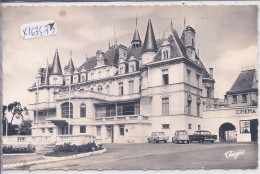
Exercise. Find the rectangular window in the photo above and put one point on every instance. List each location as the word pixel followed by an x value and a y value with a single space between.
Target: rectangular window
pixel 110 110
pixel 198 80
pixel 244 98
pixel 100 111
pixel 82 129
pixel 131 87
pixel 121 88
pixel 189 107
pixel 188 75
pixel 51 130
pixel 165 76
pixel 208 93
pixel 98 130
pixel 234 98
pixel 199 127
pixel 189 126
pixel 71 129
pixel 165 106
pixel 122 130
pixel 198 109
pixel 137 108
pixel 43 130
pixel 165 126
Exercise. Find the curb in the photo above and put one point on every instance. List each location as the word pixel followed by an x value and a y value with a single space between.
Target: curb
pixel 52 159
pixel 10 154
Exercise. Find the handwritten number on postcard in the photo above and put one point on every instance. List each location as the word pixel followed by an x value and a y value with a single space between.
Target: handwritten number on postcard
pixel 39 29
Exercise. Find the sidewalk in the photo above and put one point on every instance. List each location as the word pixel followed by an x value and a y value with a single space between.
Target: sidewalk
pixel 11 159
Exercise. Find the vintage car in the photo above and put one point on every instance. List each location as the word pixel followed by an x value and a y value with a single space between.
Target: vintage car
pixel 202 136
pixel 156 137
pixel 180 136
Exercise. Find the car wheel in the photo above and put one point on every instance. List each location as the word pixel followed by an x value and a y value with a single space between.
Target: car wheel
pixel 212 141
pixel 188 142
pixel 172 140
pixel 157 141
pixel 154 141
pixel 165 141
pixel 177 142
pixel 201 141
pixel 149 141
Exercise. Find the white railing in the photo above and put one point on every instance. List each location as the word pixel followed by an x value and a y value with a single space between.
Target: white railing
pixel 123 118
pixel 41 139
pixel 75 139
pixel 17 139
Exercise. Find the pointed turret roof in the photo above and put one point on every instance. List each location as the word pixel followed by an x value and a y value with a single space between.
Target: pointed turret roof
pixel 136 36
pixel 149 42
pixel 71 66
pixel 56 67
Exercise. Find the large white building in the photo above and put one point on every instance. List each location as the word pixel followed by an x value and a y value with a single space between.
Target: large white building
pixel 125 93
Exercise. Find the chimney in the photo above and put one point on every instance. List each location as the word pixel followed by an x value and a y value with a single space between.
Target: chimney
pixel 211 72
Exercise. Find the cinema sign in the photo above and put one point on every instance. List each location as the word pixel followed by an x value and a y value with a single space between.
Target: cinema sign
pixel 245 111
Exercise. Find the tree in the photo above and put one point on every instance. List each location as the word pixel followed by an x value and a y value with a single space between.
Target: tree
pixel 16 109
pixel 12 129
pixel 25 127
pixel 4 120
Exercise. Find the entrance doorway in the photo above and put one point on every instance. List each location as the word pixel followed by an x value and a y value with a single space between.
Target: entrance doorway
pixel 253 129
pixel 227 132
pixel 110 132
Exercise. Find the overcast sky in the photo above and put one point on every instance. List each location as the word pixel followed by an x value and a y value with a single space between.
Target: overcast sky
pixel 226 37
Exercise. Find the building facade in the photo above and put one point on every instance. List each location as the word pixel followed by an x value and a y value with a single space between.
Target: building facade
pixel 236 118
pixel 125 93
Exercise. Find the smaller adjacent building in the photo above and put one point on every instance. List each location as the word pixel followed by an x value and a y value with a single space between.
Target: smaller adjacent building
pixel 235 118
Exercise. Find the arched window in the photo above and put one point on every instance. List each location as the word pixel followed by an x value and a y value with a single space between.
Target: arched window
pixel 99 88
pixel 165 54
pixel 67 110
pixel 83 78
pixel 121 70
pixel 82 110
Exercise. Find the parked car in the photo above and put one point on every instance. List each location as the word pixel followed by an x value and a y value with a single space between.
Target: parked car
pixel 156 137
pixel 202 136
pixel 181 136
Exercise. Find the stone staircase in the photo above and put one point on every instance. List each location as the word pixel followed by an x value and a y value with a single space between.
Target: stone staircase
pixel 48 148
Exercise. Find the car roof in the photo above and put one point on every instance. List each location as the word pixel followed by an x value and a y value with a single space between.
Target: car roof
pixel 181 131
pixel 202 131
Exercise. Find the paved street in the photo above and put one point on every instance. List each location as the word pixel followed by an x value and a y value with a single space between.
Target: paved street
pixel 163 156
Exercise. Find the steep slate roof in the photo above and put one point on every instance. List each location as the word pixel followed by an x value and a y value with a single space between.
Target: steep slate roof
pixel 149 41
pixel 71 65
pixel 56 67
pixel 111 58
pixel 134 52
pixel 246 82
pixel 136 36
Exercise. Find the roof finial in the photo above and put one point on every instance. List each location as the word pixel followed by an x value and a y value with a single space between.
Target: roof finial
pixel 198 52
pixel 136 19
pixel 109 44
pixel 184 22
pixel 171 25
pixel 114 32
pixel 71 54
pixel 163 34
pixel 116 41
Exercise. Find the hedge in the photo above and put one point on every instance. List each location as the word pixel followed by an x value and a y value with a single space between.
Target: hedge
pixel 11 149
pixel 67 147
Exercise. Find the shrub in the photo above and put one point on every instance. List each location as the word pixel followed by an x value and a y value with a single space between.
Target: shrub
pixel 11 149
pixel 67 147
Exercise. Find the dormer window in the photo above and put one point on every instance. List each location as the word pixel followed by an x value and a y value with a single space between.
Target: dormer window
pixel 83 78
pixel 165 54
pixel 99 88
pixel 121 70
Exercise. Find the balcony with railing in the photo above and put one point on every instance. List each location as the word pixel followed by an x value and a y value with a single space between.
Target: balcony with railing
pixel 122 119
pixel 96 95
